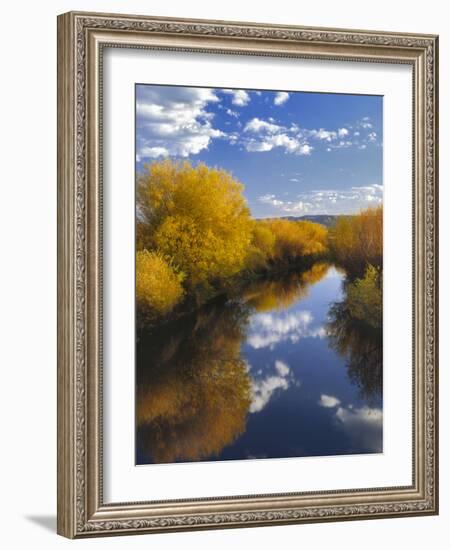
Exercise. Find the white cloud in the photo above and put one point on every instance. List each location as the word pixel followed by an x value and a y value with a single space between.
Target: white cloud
pixel 364 415
pixel 264 389
pixel 364 426
pixel 232 137
pixel 257 125
pixel 258 146
pixel 305 149
pixel 365 123
pixel 288 207
pixel 268 329
pixel 282 140
pixel 232 113
pixel 299 207
pixel 153 152
pixel 328 201
pixel 335 139
pixel 322 134
pixel 363 134
pixel 296 140
pixel 282 368
pixel 240 98
pixel 174 121
pixel 329 401
pixel 289 144
pixel 271 135
pixel 270 199
pixel 280 98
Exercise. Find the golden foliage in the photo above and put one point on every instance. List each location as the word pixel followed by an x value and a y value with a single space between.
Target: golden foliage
pixel 158 287
pixel 314 274
pixel 194 393
pixel 282 291
pixel 358 240
pixel 196 216
pixel 194 417
pixel 261 247
pixel 297 239
pixel 197 220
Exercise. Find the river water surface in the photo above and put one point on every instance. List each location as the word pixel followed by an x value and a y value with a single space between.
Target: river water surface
pixel 280 370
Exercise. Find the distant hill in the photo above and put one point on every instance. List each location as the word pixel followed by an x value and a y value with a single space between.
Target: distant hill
pixel 324 219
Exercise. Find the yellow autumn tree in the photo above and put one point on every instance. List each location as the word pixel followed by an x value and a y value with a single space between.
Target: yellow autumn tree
pixel 196 216
pixel 158 287
pixel 357 241
pixel 294 240
pixel 261 247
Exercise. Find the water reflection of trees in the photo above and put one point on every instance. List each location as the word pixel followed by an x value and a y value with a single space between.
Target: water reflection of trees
pixel 360 341
pixel 193 389
pixel 282 291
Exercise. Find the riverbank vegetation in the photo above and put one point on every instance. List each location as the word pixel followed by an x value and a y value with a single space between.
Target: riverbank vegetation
pixel 357 241
pixel 195 232
pixel 355 332
pixel 194 385
pixel 195 239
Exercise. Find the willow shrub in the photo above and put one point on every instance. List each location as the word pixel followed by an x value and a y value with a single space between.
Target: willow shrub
pixel 195 215
pixel 158 286
pixel 261 248
pixel 364 298
pixel 296 240
pixel 357 241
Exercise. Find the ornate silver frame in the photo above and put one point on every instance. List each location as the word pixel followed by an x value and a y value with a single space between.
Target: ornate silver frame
pixel 81 39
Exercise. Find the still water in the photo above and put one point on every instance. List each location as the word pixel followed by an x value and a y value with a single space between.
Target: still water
pixel 279 370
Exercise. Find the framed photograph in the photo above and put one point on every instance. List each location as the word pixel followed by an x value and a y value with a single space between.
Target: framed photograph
pixel 247 276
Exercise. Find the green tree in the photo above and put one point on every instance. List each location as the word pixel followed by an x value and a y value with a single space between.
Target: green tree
pixel 355 332
pixel 365 298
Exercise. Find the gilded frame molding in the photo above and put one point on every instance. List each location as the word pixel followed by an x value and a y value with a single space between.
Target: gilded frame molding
pixel 81 37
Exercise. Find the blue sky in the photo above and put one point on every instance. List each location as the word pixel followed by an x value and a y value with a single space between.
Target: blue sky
pixel 297 153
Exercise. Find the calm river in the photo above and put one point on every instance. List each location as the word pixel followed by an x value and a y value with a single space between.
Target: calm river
pixel 281 370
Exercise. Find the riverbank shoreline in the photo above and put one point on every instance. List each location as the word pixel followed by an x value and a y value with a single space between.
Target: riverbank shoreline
pixel 233 287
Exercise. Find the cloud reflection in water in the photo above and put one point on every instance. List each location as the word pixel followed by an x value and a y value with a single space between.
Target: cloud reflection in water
pixel 263 389
pixel 267 329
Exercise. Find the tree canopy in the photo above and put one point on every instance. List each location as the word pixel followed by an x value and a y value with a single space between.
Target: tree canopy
pixel 357 241
pixel 196 216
